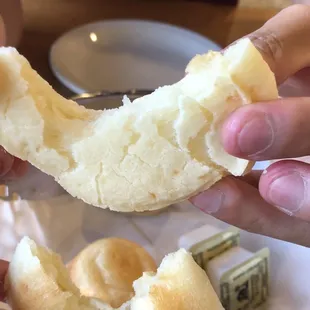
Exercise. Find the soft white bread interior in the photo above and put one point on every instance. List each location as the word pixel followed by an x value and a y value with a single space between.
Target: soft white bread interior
pixel 38 280
pixel 107 268
pixel 147 154
pixel 179 284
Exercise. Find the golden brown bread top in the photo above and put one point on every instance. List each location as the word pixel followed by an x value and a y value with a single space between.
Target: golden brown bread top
pixel 38 280
pixel 107 268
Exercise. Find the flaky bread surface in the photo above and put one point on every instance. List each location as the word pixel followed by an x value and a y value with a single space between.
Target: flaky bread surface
pixel 38 280
pixel 150 153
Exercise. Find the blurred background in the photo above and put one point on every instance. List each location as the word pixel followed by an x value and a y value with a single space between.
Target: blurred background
pixel 221 21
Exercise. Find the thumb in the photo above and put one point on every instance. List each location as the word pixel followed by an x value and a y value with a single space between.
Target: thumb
pixel 286 185
pixel 284 41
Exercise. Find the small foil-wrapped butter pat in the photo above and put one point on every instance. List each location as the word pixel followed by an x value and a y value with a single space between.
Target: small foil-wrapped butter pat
pixel 240 278
pixel 206 242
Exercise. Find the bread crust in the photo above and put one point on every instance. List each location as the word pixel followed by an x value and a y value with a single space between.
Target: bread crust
pixel 107 268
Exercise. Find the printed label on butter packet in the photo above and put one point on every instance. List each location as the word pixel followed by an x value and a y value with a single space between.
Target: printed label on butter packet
pixel 246 286
pixel 207 249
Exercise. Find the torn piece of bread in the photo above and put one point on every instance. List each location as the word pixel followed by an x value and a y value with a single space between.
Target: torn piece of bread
pixel 107 268
pixel 180 284
pixel 160 149
pixel 38 280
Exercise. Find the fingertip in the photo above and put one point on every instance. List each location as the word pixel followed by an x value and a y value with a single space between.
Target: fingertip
pixel 220 199
pixel 6 162
pixel 276 170
pixel 229 133
pixel 18 169
pixel 285 185
pixel 209 201
pixel 232 129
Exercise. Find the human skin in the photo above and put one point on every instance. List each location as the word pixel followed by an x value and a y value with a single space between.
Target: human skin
pixel 265 131
pixel 276 202
pixel 10 33
pixel 3 269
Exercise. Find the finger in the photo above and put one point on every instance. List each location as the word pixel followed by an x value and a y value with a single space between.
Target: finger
pixel 271 130
pixel 284 41
pixel 239 204
pixel 6 162
pixel 18 169
pixel 286 184
pixel 297 85
pixel 252 178
pixel 286 47
pixel 4 265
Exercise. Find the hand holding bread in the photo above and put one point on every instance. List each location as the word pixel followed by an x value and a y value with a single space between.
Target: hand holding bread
pixel 150 153
pixel 275 202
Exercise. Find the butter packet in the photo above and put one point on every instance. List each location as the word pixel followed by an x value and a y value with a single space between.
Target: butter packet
pixel 246 286
pixel 207 242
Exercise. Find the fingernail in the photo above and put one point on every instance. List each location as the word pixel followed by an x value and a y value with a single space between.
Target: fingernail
pixel 209 201
pixel 288 192
pixel 256 136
